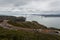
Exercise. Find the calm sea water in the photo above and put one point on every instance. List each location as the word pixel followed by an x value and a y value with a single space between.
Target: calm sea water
pixel 47 21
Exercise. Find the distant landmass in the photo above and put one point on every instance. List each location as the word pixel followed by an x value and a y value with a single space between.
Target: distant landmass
pixel 44 15
pixel 51 15
pixel 47 15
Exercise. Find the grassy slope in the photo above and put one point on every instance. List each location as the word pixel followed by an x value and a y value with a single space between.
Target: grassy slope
pixel 28 24
pixel 6 34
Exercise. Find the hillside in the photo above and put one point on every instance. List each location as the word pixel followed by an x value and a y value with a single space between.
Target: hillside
pixel 16 29
pixel 21 22
pixel 28 24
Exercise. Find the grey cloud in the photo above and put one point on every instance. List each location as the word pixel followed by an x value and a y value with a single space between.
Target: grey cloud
pixel 55 3
pixel 9 13
pixel 45 5
pixel 14 2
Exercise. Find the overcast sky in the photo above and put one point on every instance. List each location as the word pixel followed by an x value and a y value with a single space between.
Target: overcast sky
pixel 16 7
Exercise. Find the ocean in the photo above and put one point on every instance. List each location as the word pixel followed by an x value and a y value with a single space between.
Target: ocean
pixel 47 21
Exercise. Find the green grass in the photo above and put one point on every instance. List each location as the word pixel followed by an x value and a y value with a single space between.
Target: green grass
pixel 6 34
